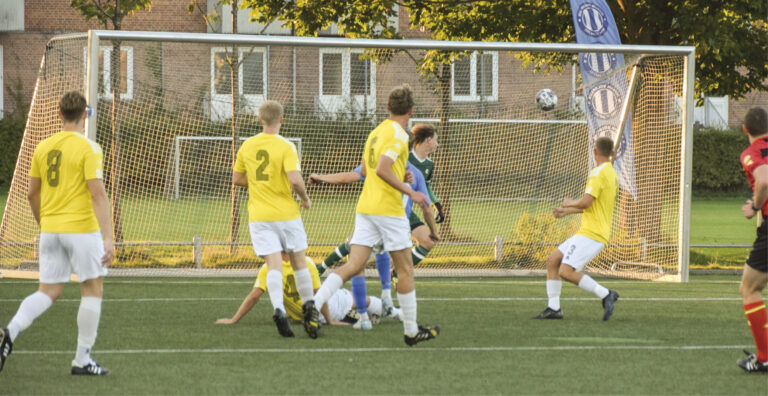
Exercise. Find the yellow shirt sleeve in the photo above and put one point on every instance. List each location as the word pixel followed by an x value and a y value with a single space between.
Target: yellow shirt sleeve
pixel 239 162
pixel 594 186
pixel 291 160
pixel 92 166
pixel 261 279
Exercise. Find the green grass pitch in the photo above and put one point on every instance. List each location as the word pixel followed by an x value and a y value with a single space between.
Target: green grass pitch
pixel 159 337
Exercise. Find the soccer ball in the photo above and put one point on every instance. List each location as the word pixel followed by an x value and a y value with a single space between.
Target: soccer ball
pixel 546 99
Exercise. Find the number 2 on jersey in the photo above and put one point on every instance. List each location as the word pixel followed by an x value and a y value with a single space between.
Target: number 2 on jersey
pixel 262 155
pixel 54 163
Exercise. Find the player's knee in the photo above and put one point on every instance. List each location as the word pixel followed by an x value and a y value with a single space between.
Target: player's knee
pixel 427 244
pixel 553 260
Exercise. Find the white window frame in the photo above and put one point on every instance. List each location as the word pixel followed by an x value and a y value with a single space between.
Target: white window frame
pixel 243 51
pixel 329 101
pixel 474 96
pixel 107 67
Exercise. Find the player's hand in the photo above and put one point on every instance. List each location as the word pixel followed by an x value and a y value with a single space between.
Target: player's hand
pixel 419 199
pixel 434 236
pixel 109 253
pixel 225 321
pixel 408 177
pixel 558 212
pixel 568 202
pixel 314 179
pixel 439 213
pixel 306 203
pixel 747 209
pixel 338 323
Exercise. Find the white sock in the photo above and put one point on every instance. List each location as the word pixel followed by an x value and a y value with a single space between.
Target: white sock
pixel 30 309
pixel 332 283
pixel 304 285
pixel 588 284
pixel 375 307
pixel 553 292
pixel 408 305
pixel 386 297
pixel 87 326
pixel 275 289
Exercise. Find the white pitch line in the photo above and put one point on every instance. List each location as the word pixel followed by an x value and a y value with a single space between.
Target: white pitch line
pixel 399 349
pixel 466 299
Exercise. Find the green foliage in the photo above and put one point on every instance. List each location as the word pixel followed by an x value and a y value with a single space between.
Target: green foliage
pixel 716 166
pixel 535 236
pixel 106 11
pixel 11 132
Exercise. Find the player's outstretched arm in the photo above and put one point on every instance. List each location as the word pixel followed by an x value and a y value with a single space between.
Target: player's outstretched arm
pixel 33 195
pixel 429 217
pixel 248 303
pixel 582 203
pixel 334 178
pixel 562 212
pixel 299 188
pixel 103 216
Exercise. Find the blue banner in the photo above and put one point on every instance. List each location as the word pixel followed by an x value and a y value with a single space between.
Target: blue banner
pixel 604 96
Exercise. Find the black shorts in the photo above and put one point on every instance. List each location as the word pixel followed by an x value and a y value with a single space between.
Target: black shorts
pixel 415 221
pixel 758 257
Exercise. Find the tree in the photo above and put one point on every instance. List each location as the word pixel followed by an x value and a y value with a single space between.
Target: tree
pixel 112 12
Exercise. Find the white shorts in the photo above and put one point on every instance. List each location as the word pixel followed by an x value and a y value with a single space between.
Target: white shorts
pixel 579 250
pixel 63 254
pixel 278 236
pixel 339 305
pixel 392 232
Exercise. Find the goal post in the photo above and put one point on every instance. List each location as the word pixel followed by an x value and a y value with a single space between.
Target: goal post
pixel 501 165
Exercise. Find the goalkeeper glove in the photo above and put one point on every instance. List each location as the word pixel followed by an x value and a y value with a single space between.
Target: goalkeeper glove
pixel 440 213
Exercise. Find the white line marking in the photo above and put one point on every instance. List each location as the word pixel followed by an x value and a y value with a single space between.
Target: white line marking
pixel 467 299
pixel 404 348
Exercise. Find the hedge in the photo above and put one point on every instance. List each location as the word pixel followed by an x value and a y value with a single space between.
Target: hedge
pixel 716 165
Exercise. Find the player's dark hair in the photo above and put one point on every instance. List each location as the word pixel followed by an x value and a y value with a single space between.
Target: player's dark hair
pixel 756 121
pixel 421 132
pixel 604 146
pixel 72 106
pixel 400 100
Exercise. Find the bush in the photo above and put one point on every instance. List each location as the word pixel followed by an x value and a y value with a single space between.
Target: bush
pixel 11 132
pixel 716 166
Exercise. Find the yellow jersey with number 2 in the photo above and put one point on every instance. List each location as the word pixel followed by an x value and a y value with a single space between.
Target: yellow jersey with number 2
pixel 291 298
pixel 378 197
pixel 597 218
pixel 265 159
pixel 64 162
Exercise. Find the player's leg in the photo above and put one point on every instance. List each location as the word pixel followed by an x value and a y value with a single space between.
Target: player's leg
pixel 86 252
pixel 359 291
pixel 294 242
pixel 384 267
pixel 553 285
pixel 339 253
pixel 581 250
pixel 265 237
pixel 424 244
pixel 753 282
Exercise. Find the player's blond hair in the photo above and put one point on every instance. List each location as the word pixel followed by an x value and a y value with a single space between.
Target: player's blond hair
pixel 72 106
pixel 604 146
pixel 400 100
pixel 270 112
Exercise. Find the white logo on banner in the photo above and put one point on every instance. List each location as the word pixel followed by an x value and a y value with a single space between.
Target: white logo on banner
pixel 604 101
pixel 592 20
pixel 598 64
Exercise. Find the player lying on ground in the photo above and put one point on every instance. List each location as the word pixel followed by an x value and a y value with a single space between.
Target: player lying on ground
pixel 754 160
pixel 576 252
pixel 69 202
pixel 339 310
pixel 415 179
pixel 380 218
pixel 268 165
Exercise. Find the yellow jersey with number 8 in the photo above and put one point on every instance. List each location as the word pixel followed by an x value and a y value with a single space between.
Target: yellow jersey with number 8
pixel 265 159
pixel 378 197
pixel 64 162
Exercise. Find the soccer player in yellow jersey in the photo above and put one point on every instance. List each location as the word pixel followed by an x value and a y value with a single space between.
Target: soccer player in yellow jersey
pixel 339 309
pixel 69 202
pixel 268 165
pixel 572 256
pixel 380 217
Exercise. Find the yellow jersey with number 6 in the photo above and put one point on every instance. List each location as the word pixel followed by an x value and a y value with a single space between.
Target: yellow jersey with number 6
pixel 265 159
pixel 378 197
pixel 64 162
pixel 291 298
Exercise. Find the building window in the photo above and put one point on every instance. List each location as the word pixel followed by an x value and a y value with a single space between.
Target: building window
pixel 105 68
pixel 475 78
pixel 252 77
pixel 347 81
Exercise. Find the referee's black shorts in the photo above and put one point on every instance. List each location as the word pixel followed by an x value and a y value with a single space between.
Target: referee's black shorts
pixel 758 257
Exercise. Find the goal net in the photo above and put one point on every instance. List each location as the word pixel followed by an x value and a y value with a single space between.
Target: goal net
pixel 501 166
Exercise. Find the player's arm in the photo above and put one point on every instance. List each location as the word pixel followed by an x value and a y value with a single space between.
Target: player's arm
pixel 334 178
pixel 103 216
pixel 752 207
pixel 562 212
pixel 294 177
pixel 385 172
pixel 239 179
pixel 429 216
pixel 33 195
pixel 582 203
pixel 248 303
